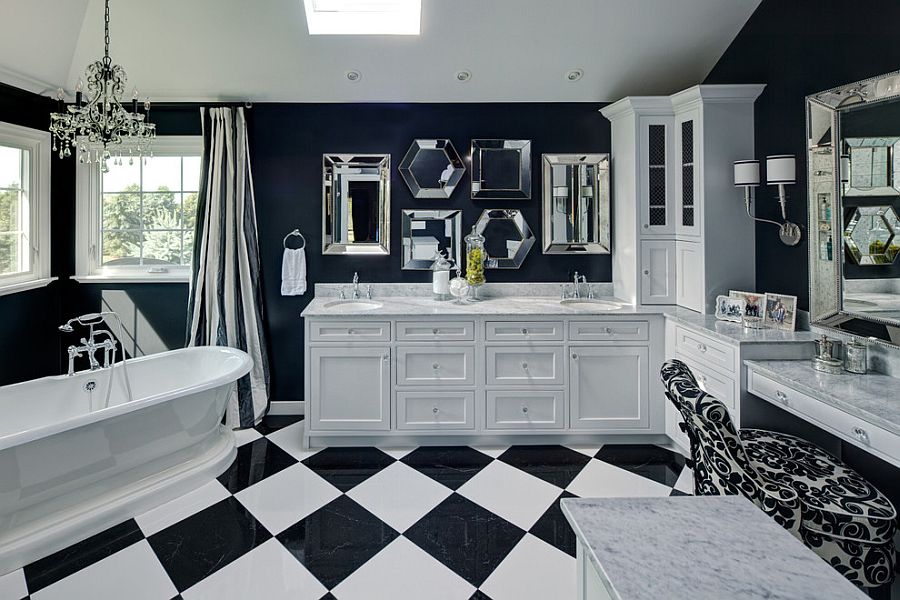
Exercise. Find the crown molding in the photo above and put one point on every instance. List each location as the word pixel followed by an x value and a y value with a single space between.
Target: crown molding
pixel 27 82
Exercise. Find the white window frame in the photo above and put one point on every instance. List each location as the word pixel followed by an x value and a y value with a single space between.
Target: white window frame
pixel 87 222
pixel 37 144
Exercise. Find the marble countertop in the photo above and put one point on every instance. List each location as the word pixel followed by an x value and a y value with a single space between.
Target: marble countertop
pixel 874 397
pixel 732 332
pixel 699 548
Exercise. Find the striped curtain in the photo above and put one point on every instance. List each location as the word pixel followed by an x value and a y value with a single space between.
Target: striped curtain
pixel 225 303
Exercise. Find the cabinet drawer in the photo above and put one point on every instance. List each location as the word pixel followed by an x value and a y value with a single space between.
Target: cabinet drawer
pixel 433 365
pixel 525 365
pixel 518 331
pixel 435 410
pixel 525 410
pixel 427 331
pixel 874 439
pixel 600 331
pixel 712 382
pixel 350 331
pixel 705 349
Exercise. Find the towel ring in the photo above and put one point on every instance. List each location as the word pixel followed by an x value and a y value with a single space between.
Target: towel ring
pixel 295 232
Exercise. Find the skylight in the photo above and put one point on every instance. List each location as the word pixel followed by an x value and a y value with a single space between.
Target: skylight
pixel 363 17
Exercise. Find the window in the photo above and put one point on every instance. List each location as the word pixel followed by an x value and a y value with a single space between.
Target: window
pixel 24 208
pixel 136 221
pixel 363 17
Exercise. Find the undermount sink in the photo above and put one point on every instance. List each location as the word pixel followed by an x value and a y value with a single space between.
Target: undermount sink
pixel 352 305
pixel 593 303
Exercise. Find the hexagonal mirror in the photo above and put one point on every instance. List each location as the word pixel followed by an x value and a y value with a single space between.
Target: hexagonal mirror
pixel 507 238
pixel 432 168
pixel 871 235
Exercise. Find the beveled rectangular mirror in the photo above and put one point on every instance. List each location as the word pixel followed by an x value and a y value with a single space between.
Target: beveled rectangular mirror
pixel 356 203
pixel 427 232
pixel 576 203
pixel 501 169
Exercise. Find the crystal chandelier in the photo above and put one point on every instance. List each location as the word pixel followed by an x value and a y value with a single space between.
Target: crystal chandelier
pixel 97 128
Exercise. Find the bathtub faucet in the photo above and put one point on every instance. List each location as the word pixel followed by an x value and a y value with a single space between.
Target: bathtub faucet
pixel 90 344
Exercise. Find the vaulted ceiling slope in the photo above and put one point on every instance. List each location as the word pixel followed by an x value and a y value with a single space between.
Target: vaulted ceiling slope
pixel 516 50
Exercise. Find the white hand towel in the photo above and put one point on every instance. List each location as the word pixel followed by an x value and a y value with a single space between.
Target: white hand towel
pixel 293 272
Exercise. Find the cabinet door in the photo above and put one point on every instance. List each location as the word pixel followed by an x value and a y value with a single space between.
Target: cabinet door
pixel 687 174
pixel 609 388
pixel 657 272
pixel 350 388
pixel 691 292
pixel 657 175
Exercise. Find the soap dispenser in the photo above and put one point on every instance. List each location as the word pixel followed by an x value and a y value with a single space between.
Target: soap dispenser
pixel 825 360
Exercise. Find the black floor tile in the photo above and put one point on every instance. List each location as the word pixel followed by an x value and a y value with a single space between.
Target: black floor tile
pixel 328 596
pixel 450 465
pixel 465 537
pixel 554 464
pixel 678 493
pixel 479 595
pixel 274 423
pixel 76 557
pixel 255 461
pixel 336 540
pixel 661 465
pixel 203 543
pixel 554 529
pixel 345 468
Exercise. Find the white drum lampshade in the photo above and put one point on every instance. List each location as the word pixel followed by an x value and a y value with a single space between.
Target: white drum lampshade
pixel 746 173
pixel 781 169
pixel 845 168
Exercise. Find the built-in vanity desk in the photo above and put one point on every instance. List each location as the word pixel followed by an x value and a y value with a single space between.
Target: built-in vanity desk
pixel 693 548
pixel 863 410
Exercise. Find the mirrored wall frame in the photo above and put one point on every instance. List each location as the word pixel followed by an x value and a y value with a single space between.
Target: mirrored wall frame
pixel 837 302
pixel 425 232
pixel 356 204
pixel 576 203
pixel 501 169
pixel 507 238
pixel 432 168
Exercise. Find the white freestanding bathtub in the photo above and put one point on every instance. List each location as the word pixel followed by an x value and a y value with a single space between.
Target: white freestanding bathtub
pixel 71 467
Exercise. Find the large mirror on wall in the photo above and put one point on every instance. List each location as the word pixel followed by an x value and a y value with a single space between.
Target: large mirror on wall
pixel 576 203
pixel 501 169
pixel 356 203
pixel 432 169
pixel 426 233
pixel 853 161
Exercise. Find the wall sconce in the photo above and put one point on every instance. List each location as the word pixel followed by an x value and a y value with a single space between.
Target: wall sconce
pixel 781 171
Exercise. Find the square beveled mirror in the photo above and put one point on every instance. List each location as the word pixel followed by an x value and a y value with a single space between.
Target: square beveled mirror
pixel 356 203
pixel 576 203
pixel 501 169
pixel 427 232
pixel 432 169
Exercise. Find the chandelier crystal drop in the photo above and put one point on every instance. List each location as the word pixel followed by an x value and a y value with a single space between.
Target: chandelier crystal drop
pixel 101 128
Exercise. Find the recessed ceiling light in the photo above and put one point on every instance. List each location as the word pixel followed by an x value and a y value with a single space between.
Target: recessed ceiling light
pixel 574 74
pixel 363 17
pixel 463 76
pixel 353 75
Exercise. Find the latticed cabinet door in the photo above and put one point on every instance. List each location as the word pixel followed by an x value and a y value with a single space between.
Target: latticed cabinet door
pixel 656 172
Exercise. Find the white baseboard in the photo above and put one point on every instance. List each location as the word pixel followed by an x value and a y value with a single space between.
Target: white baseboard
pixel 287 407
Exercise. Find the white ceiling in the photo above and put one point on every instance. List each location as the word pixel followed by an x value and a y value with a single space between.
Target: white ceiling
pixel 516 50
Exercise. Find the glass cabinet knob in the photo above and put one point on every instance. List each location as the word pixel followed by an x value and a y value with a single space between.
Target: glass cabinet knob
pixel 435 410
pixel 524 409
pixel 435 366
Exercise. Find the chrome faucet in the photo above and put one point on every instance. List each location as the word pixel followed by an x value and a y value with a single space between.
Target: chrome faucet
pixel 578 279
pixel 356 286
pixel 90 344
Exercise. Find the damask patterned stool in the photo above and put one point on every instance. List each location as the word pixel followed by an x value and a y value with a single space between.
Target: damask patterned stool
pixel 831 508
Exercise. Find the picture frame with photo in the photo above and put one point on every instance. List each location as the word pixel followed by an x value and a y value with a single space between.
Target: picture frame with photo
pixel 730 309
pixel 781 311
pixel 754 303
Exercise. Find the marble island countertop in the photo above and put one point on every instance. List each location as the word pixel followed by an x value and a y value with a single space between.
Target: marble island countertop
pixel 699 548
pixel 873 397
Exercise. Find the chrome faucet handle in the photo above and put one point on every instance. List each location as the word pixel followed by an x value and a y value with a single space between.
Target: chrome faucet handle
pixel 343 296
pixel 369 292
pixel 590 291
pixel 563 292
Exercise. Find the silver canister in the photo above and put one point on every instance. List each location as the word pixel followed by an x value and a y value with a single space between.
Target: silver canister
pixel 855 356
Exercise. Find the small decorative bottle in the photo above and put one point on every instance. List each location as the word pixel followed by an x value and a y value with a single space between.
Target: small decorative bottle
pixel 855 357
pixel 475 257
pixel 459 287
pixel 440 277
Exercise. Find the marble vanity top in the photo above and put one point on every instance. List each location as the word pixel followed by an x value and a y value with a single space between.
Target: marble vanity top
pixel 732 332
pixel 699 548
pixel 873 397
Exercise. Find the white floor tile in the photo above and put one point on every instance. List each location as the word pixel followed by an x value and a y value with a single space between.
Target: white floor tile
pixel 286 497
pixel 685 481
pixel 399 495
pixel 245 436
pixel 133 573
pixel 402 571
pixel 492 451
pixel 167 514
pixel 290 439
pixel 12 585
pixel 268 572
pixel 586 450
pixel 511 493
pixel 397 453
pixel 602 480
pixel 534 570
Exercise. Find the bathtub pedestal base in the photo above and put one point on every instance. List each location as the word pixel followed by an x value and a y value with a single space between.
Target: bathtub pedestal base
pixel 108 502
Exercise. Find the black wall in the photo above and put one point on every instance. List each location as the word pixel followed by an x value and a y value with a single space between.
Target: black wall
pixel 799 48
pixel 286 145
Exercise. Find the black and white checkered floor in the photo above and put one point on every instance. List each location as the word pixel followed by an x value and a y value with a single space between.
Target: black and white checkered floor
pixel 358 523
